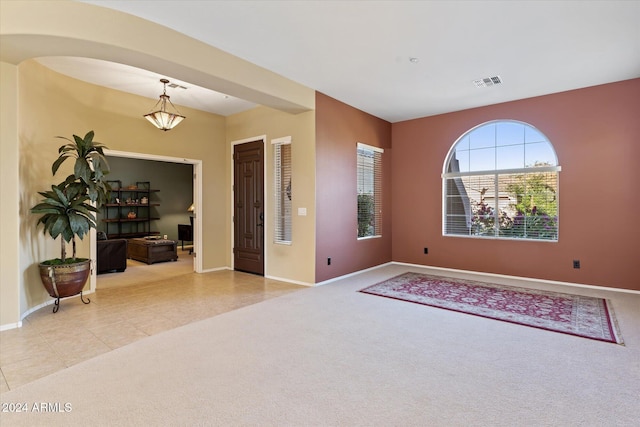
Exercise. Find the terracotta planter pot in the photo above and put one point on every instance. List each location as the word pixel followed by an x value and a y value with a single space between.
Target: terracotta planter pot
pixel 65 280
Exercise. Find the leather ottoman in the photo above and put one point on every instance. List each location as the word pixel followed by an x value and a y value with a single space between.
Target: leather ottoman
pixel 152 250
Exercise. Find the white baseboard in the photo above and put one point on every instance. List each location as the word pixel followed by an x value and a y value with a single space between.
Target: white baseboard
pixel 9 326
pixel 480 274
pixel 295 282
pixel 524 279
pixel 280 279
pixel 211 270
pixel 335 279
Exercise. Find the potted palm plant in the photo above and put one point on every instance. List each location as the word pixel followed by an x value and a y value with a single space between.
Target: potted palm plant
pixel 68 211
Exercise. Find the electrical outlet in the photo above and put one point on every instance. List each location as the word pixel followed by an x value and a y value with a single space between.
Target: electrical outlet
pixel 426 251
pixel 328 261
pixel 576 263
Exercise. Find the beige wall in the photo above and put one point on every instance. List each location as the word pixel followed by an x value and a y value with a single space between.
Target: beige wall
pixel 52 104
pixel 9 243
pixel 293 262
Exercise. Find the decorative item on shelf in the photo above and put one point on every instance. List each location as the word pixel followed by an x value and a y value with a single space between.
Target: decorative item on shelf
pixel 163 119
pixel 132 187
pixel 117 222
pixel 132 215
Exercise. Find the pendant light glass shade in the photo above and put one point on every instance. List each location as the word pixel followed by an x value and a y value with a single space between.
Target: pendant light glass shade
pixel 161 118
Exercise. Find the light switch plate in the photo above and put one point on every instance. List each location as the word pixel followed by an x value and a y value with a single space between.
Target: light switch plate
pixel 302 211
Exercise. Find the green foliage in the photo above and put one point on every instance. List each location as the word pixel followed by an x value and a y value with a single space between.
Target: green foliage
pixel 365 215
pixel 533 191
pixel 534 215
pixel 65 212
pixel 536 207
pixel 67 209
pixel 533 226
pixel 90 166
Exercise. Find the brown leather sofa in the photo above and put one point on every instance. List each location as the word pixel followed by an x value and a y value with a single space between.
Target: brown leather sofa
pixel 112 254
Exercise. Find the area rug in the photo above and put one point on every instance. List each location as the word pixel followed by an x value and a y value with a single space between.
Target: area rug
pixel 578 315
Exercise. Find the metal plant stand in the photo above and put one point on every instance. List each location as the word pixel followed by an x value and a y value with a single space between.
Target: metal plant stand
pixel 56 303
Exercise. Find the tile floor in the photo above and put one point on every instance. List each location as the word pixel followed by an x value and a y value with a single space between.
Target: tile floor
pixel 126 307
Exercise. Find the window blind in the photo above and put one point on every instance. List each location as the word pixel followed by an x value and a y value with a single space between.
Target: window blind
pixel 369 185
pixel 516 205
pixel 283 193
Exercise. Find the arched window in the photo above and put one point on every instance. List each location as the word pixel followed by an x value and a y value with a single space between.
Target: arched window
pixel 500 180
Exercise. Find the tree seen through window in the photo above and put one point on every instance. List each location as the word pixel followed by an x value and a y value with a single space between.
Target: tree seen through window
pixel 501 181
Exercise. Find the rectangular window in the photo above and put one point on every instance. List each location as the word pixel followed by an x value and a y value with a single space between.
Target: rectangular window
pixel 282 186
pixel 369 185
pixel 519 205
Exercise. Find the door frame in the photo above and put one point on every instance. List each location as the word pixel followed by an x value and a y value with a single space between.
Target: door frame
pixel 266 230
pixel 197 197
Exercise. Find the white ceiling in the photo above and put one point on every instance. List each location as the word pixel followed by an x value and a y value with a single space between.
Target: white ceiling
pixel 144 83
pixel 359 51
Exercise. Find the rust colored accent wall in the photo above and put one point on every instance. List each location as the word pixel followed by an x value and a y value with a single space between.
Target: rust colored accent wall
pixel 596 134
pixel 338 128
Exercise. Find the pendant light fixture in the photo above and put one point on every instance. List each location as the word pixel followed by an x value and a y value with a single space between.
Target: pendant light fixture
pixel 163 119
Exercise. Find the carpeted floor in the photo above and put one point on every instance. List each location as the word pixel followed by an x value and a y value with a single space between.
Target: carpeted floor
pixel 330 356
pixel 574 314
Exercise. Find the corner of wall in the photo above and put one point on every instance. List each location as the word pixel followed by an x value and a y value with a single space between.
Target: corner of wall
pixel 10 285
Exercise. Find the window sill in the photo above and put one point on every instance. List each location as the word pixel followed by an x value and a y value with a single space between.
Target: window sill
pixel 511 239
pixel 369 237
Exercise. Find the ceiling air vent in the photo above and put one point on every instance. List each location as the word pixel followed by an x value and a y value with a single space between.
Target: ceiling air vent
pixel 488 81
pixel 176 86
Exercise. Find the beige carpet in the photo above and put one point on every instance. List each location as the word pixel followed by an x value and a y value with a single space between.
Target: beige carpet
pixel 330 356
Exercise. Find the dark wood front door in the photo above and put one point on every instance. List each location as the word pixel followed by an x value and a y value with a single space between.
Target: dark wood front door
pixel 248 172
